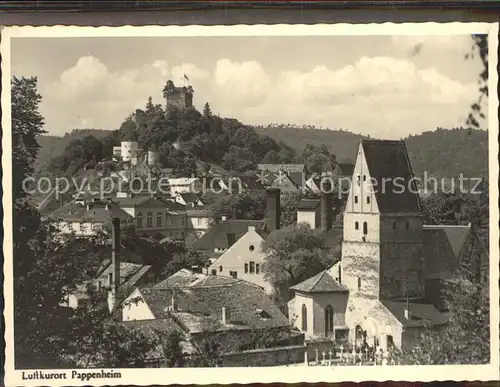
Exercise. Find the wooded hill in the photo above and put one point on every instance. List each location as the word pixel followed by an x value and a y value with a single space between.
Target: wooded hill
pixel 237 147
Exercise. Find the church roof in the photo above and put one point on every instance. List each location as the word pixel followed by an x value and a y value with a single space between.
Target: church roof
pixel 389 160
pixel 420 314
pixel 320 283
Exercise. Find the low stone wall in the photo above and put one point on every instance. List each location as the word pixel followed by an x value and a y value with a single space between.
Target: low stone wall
pixel 266 357
pixel 322 345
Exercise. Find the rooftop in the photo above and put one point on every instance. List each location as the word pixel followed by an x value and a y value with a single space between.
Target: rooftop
pixel 389 160
pixel 421 314
pixel 322 282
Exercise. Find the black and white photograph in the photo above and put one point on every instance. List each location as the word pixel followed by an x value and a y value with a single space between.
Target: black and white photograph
pixel 297 199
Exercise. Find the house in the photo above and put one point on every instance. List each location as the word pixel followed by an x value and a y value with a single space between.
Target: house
pixel 243 260
pixel 340 175
pixel 289 181
pixel 188 199
pixel 198 220
pixel 86 218
pixel 120 272
pixel 234 314
pixel 155 215
pixel 385 289
pixel 185 185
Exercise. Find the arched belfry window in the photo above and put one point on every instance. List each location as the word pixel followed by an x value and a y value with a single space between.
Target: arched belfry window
pixel 328 320
pixel 365 228
pixel 304 317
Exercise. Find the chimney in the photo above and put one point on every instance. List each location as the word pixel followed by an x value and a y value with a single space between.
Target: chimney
pixel 173 305
pixel 225 315
pixel 407 309
pixel 115 262
pixel 273 209
pixel 326 208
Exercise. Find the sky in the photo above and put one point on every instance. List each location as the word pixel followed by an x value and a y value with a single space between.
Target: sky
pixel 383 86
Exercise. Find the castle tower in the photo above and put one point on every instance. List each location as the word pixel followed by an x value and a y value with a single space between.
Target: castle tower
pixel 382 248
pixel 178 97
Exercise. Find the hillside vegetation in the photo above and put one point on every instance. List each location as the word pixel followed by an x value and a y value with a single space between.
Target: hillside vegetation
pixel 184 138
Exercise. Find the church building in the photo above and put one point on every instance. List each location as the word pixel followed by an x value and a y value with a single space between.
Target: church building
pixel 382 292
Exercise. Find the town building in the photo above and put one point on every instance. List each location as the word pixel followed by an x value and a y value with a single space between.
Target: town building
pixel 244 260
pixel 386 288
pixel 232 314
pixel 85 218
pixel 185 185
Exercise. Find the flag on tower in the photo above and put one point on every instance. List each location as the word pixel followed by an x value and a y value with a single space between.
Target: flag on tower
pixel 186 77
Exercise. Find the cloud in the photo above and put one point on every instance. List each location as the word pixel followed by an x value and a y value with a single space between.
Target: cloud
pixel 382 96
pixel 244 82
pixel 90 90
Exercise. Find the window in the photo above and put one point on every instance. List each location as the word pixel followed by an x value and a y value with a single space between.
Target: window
pixel 356 226
pixel 169 221
pixel 359 283
pixel 83 227
pixel 367 200
pixel 182 221
pixel 159 220
pixel 149 221
pixel 139 220
pixel 251 248
pixel 393 225
pixel 257 268
pixel 150 279
pixel 214 272
pixel 365 228
pixel 390 342
pixel 182 234
pixel 304 317
pixel 246 267
pixel 364 177
pixel 233 274
pixel 70 226
pixel 252 267
pixel 328 320
pixel 358 178
pixel 356 199
pixel 220 268
pixel 407 225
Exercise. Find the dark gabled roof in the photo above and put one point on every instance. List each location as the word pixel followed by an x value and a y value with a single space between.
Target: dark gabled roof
pixel 322 282
pixel 345 169
pixel 215 237
pixel 308 204
pixel 200 307
pixel 421 314
pixel 144 201
pixel 438 254
pixel 457 235
pixel 389 160
pixel 98 212
pixel 189 197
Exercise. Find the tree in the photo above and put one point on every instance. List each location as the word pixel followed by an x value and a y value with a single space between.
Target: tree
pixel 27 124
pixel 294 254
pixel 185 260
pixel 239 159
pixel 207 112
pixel 289 203
pixel 479 46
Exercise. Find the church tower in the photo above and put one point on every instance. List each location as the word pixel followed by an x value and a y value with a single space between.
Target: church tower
pixel 382 255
